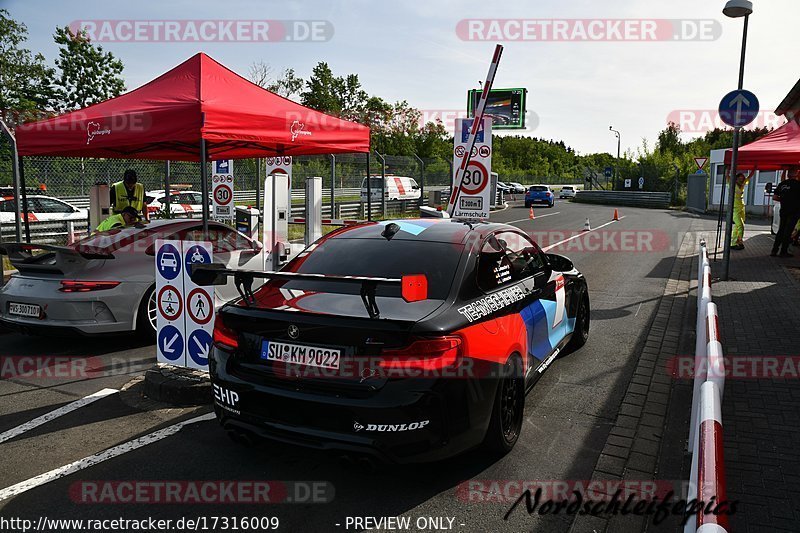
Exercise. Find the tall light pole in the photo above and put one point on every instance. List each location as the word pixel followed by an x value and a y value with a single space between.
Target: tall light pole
pixel 619 147
pixel 735 9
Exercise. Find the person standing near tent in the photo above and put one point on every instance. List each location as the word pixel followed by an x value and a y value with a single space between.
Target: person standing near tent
pixel 737 236
pixel 788 194
pixel 128 193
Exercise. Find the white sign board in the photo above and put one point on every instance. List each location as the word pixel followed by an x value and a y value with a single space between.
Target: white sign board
pixel 222 190
pixel 170 341
pixel 474 199
pixel 279 165
pixel 627 183
pixel 198 305
pixel 185 311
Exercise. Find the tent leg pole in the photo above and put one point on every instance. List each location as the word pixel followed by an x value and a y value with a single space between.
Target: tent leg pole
pixel 204 184
pixel 167 205
pixel 258 184
pixel 369 192
pixel 12 141
pixel 25 210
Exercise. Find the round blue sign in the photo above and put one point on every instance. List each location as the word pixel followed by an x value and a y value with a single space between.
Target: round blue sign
pixel 739 108
pixel 168 262
pixel 170 343
pixel 196 255
pixel 199 346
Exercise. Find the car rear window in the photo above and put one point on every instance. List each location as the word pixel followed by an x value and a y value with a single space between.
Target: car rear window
pixel 379 258
pixel 538 188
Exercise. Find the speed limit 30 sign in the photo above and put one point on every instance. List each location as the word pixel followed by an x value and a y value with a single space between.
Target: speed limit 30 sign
pixel 474 199
pixel 222 190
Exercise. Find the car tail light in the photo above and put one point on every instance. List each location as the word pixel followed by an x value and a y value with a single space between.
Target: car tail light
pixel 424 354
pixel 415 287
pixel 86 286
pixel 224 337
pixel 549 193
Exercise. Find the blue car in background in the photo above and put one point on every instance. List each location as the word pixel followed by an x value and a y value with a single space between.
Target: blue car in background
pixel 539 194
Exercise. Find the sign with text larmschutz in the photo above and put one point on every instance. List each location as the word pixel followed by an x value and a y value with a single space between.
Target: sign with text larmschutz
pixel 474 199
pixel 222 190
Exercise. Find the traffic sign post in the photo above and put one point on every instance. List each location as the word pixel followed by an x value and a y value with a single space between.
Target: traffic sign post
pixel 700 162
pixel 739 108
pixel 199 304
pixel 641 183
pixel 280 165
pixel 169 299
pixel 222 191
pixel 474 202
pixel 185 311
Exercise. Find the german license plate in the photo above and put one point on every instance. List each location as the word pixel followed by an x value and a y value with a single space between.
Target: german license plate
pixel 29 310
pixel 300 355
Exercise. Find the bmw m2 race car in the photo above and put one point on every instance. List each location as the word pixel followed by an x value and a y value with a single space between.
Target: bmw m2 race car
pixel 404 341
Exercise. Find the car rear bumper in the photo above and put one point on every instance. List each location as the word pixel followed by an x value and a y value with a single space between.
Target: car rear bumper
pixel 91 313
pixel 406 421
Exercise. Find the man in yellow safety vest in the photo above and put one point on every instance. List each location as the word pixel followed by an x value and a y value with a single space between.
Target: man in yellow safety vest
pixel 128 217
pixel 739 211
pixel 128 193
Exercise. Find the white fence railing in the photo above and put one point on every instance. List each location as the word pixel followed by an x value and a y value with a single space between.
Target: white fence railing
pixel 707 476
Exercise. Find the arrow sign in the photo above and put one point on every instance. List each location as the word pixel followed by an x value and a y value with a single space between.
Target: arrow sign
pixel 170 343
pixel 700 162
pixel 739 108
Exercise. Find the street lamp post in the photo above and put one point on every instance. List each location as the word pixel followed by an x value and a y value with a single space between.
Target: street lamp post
pixel 619 147
pixel 735 9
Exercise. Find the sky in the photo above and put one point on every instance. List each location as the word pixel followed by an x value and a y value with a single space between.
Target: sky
pixel 412 51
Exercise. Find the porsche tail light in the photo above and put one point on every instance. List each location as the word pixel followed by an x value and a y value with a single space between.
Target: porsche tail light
pixel 86 286
pixel 424 354
pixel 224 337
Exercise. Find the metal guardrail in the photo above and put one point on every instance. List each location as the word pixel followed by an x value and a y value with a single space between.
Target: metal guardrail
pixel 656 200
pixel 707 477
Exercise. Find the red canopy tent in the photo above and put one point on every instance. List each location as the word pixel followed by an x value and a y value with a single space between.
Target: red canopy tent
pixel 198 111
pixel 198 100
pixel 778 150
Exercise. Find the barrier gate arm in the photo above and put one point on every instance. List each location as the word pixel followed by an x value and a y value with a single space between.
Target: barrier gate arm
pixel 477 122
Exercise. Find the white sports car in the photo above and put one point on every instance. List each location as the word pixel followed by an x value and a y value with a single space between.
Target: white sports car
pixel 189 203
pixel 41 209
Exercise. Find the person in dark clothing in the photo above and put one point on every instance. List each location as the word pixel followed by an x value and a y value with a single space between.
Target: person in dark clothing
pixel 788 194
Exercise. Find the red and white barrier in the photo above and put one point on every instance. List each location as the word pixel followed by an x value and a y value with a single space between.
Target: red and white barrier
pixel 707 477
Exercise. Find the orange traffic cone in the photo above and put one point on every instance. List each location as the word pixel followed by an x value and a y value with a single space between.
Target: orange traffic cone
pixel 616 215
pixel 531 216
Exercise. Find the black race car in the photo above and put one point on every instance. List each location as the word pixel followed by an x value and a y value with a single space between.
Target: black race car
pixel 410 340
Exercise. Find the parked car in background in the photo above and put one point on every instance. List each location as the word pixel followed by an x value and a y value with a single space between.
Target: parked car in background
pixel 41 209
pixel 394 188
pixel 189 203
pixel 504 188
pixel 539 194
pixel 568 191
pixel 518 188
pixel 105 283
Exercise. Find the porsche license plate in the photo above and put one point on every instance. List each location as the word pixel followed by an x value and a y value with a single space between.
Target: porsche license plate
pixel 28 310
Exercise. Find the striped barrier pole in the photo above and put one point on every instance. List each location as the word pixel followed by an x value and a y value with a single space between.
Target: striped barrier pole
pixel 700 349
pixel 715 364
pixel 477 123
pixel 711 462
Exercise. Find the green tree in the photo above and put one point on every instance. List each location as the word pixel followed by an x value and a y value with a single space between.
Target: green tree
pixel 25 79
pixel 87 73
pixel 337 95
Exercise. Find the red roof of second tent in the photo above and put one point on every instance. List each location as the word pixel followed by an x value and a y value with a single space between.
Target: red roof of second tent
pixel 778 150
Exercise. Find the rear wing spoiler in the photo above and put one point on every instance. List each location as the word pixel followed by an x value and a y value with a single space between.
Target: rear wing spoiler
pixel 414 287
pixel 66 259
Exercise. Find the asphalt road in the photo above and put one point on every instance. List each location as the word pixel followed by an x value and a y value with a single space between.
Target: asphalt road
pixel 567 418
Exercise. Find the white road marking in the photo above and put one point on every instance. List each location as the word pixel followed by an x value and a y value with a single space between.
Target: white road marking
pixel 581 234
pixel 52 415
pixel 97 458
pixel 536 216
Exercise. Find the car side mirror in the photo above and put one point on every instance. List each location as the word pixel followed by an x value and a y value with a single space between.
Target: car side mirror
pixel 257 246
pixel 560 263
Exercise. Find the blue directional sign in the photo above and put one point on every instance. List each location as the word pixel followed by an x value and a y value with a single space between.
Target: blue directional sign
pixel 196 255
pixel 609 171
pixel 199 344
pixel 168 262
pixel 170 343
pixel 466 126
pixel 222 167
pixel 739 108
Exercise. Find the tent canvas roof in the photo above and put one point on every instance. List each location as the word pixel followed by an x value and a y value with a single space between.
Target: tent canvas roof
pixel 778 150
pixel 165 119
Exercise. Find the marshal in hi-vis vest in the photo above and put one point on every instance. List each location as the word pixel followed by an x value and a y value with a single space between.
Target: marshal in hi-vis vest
pixel 121 200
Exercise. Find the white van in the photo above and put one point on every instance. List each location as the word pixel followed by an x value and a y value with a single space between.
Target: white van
pixel 395 187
